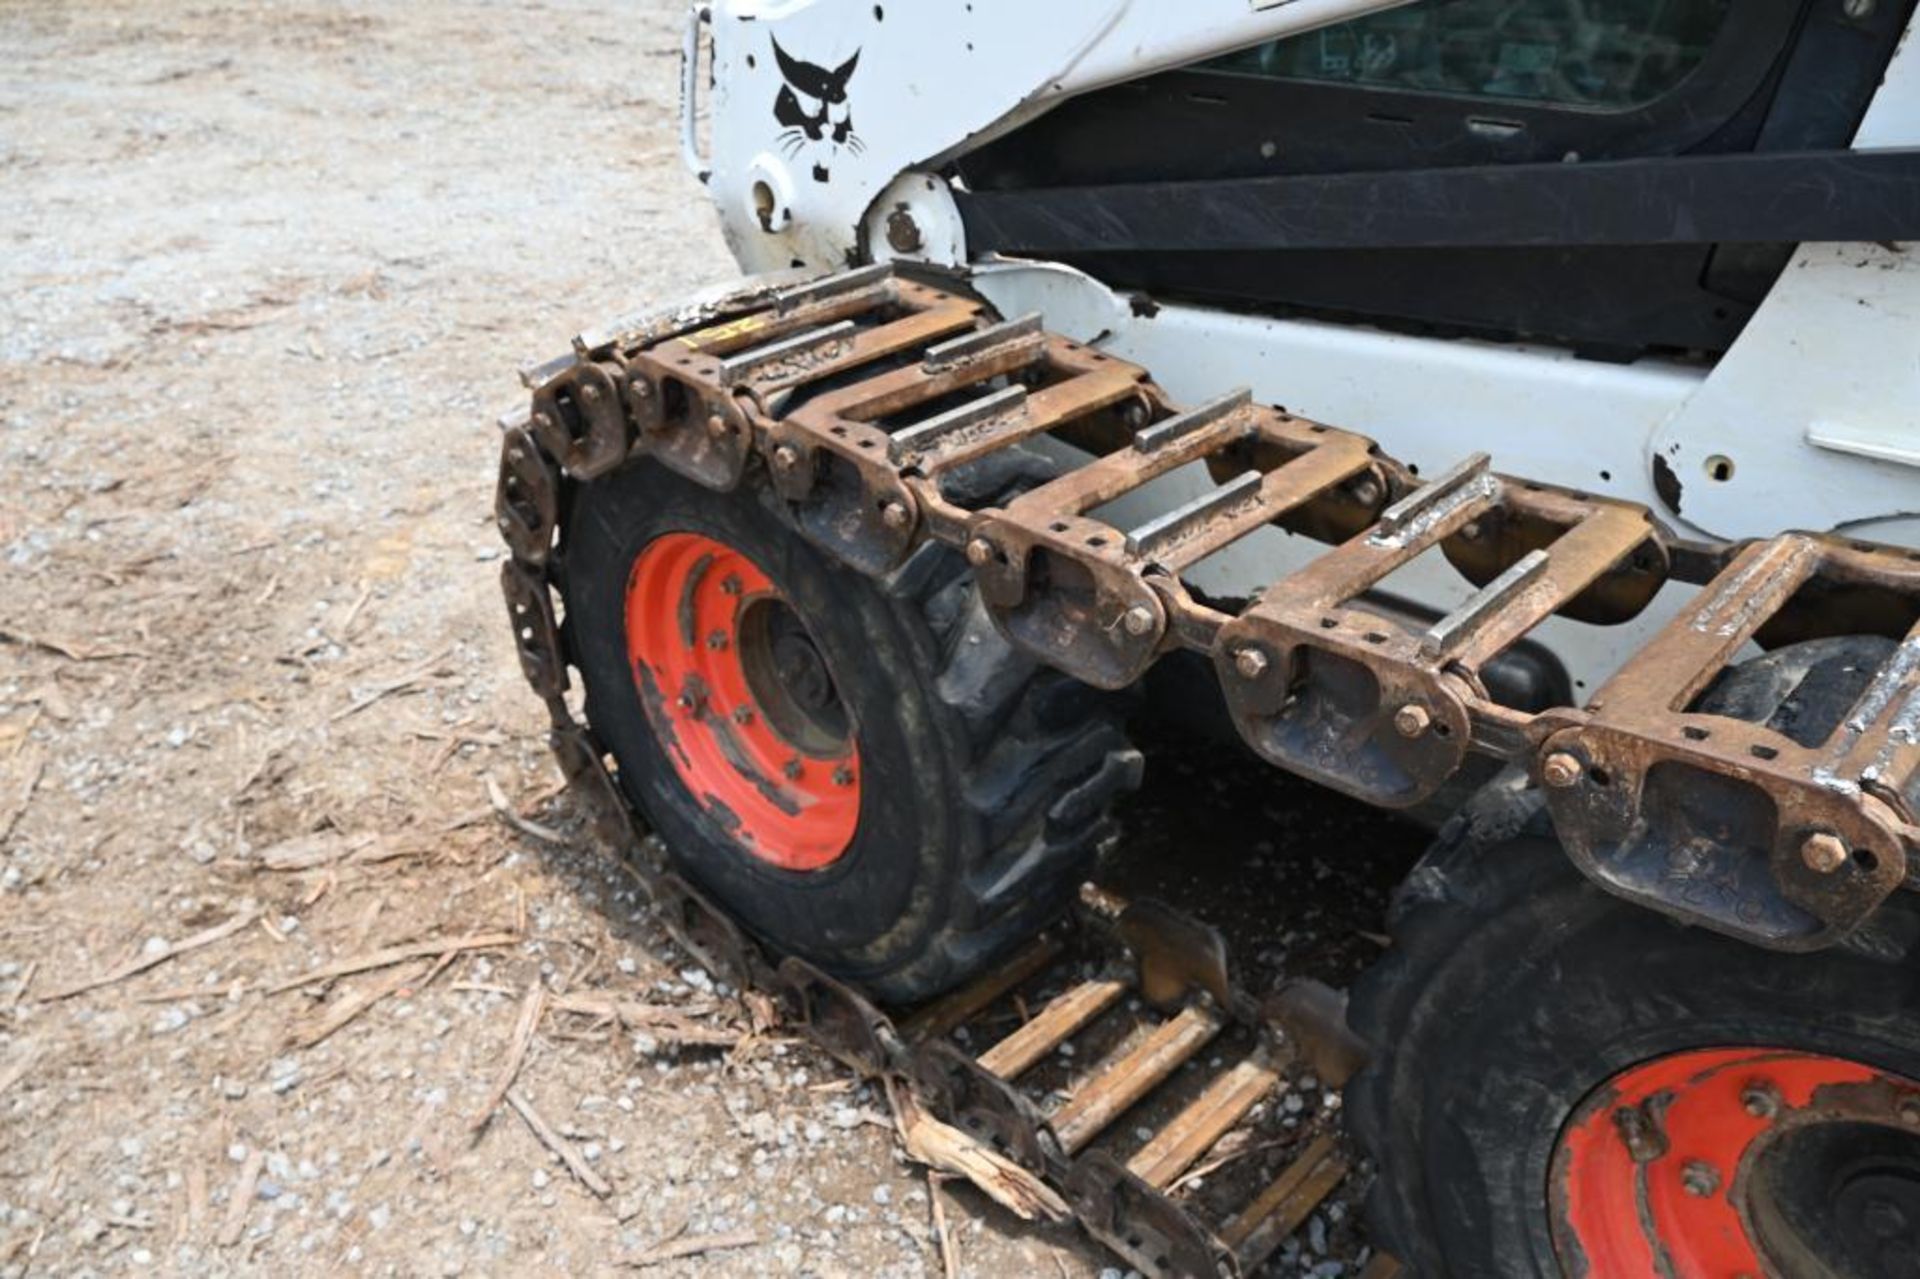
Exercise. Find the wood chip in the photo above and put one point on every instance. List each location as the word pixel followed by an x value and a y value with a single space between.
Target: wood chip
pixel 664 1022
pixel 309 852
pixel 423 671
pixel 942 1146
pixel 559 1145
pixel 694 1246
pixel 531 1010
pixel 949 1257
pixel 144 961
pixel 62 648
pixel 349 1006
pixel 30 769
pixel 393 955
pixel 243 1191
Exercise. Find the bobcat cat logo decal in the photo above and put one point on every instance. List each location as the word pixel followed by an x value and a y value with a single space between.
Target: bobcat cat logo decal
pixel 812 107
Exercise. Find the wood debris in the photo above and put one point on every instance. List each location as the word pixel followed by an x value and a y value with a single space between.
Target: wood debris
pixel 349 1006
pixel 576 1164
pixel 312 851
pixel 14 1073
pixel 235 1223
pixel 425 670
pixel 392 955
pixel 665 1022
pixel 938 1145
pixel 693 1246
pixel 511 816
pixel 153 959
pixel 30 769
pixel 532 1008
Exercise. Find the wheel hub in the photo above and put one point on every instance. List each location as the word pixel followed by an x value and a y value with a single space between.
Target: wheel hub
pixel 1742 1162
pixel 743 702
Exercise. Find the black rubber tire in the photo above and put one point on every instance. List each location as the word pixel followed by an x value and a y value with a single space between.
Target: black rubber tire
pixel 986 778
pixel 1514 987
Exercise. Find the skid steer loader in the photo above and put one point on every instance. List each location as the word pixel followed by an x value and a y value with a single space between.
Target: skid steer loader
pixel 1515 396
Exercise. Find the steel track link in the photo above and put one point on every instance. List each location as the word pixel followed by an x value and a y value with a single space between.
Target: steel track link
pixel 856 394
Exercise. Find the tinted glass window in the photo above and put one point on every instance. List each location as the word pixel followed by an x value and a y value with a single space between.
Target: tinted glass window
pixel 1600 54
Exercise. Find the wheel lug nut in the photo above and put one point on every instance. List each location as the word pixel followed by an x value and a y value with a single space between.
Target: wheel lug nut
pixel 894 515
pixel 979 552
pixel 792 769
pixel 730 585
pixel 843 776
pixel 1760 1099
pixel 1560 770
pixel 717 641
pixel 1250 663
pixel 1699 1178
pixel 1412 720
pixel 1139 620
pixel 1823 853
pixel 690 702
pixel 743 715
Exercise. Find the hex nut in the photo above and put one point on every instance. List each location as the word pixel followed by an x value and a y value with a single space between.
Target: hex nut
pixel 1823 853
pixel 1699 1178
pixel 716 426
pixel 785 457
pixel 894 515
pixel 1560 770
pixel 1250 663
pixel 979 552
pixel 1412 720
pixel 1139 620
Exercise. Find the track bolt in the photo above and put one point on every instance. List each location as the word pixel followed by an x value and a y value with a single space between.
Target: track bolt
pixel 717 641
pixel 792 769
pixel 1412 720
pixel 1366 492
pixel 1134 415
pixel 1560 770
pixel 1139 620
pixel 1250 663
pixel 843 776
pixel 743 715
pixel 1699 1178
pixel 1760 1099
pixel 979 552
pixel 1909 1111
pixel 590 393
pixel 1470 532
pixel 785 457
pixel 717 426
pixel 1823 853
pixel 541 422
pixel 730 585
pixel 893 515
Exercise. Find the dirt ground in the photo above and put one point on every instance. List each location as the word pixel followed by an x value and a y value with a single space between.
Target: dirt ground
pixel 267 271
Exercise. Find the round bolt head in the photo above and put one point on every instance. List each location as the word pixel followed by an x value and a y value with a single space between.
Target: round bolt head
pixel 1250 663
pixel 590 393
pixel 979 552
pixel 1909 1111
pixel 1760 1099
pixel 843 776
pixel 1823 853
pixel 894 515
pixel 1699 1178
pixel 716 426
pixel 792 769
pixel 730 585
pixel 1412 720
pixel 1139 620
pixel 717 641
pixel 785 457
pixel 1366 492
pixel 743 715
pixel 542 422
pixel 1560 770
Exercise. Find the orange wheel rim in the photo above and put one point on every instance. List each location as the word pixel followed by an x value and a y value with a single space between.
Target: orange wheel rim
pixel 742 701
pixel 1670 1167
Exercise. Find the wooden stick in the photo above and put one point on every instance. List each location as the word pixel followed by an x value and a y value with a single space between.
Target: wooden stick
pixel 17 809
pixel 141 963
pixel 394 955
pixel 558 1145
pixel 949 1149
pixel 531 1009
pixel 243 1190
pixel 949 1257
pixel 351 1005
pixel 693 1246
pixel 511 816
pixel 391 687
pixel 14 1073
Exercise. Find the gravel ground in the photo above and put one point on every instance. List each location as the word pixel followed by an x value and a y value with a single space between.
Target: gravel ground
pixel 268 270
